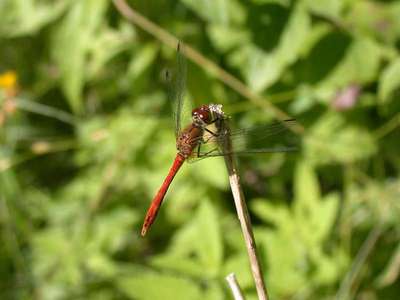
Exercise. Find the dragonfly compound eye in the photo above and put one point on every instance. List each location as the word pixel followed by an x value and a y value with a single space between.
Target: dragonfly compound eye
pixel 202 113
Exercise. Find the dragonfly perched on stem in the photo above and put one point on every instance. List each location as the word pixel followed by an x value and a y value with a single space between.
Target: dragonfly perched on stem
pixel 201 138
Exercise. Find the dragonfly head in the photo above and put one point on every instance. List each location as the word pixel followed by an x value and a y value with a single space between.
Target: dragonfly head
pixel 202 115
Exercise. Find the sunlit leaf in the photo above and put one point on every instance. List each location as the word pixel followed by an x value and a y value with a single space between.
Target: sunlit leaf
pixel 389 81
pixel 226 37
pixel 264 69
pixel 25 17
pixel 107 45
pixel 218 11
pixel 331 140
pixel 71 43
pixel 328 8
pixel 159 287
pixel 360 65
pixel 142 60
pixel 209 242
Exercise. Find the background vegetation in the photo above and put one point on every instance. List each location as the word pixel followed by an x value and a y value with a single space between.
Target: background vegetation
pixel 87 137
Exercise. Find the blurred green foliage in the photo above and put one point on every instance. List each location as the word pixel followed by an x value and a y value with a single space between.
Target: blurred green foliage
pixel 87 137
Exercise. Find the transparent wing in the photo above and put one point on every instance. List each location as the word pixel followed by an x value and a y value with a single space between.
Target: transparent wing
pixel 276 137
pixel 175 79
pixel 180 87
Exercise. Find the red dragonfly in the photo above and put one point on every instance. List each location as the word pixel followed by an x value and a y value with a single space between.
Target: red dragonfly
pixel 197 141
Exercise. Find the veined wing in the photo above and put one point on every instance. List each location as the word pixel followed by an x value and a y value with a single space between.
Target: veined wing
pixel 276 137
pixel 177 89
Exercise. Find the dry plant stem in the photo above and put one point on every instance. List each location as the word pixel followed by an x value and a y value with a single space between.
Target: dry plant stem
pixel 243 214
pixel 234 286
pixel 245 223
pixel 199 59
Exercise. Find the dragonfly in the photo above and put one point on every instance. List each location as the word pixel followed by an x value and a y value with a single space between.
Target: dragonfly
pixel 201 138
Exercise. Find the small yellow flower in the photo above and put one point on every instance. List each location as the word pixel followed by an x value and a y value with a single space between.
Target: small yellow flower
pixel 8 80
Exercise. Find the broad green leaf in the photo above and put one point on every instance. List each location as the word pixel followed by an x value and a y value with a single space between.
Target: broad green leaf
pixel 331 9
pixel 389 81
pixel 226 37
pixel 360 65
pixel 198 245
pixel 175 262
pixel 284 254
pixel 316 33
pixel 27 17
pixel 377 19
pixel 182 243
pixel 306 189
pixel 214 291
pixel 107 45
pixel 142 60
pixel 264 69
pixel 331 140
pixel 155 286
pixel 54 253
pixel 102 265
pixel 110 230
pixel 328 268
pixel 305 99
pixel 307 202
pixel 218 11
pixel 270 213
pixel 70 45
pixel 240 265
pixel 209 239
pixel 325 217
pixel 210 171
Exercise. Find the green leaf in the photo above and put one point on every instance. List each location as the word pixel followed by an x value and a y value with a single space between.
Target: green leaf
pixel 325 216
pixel 270 213
pixel 331 140
pixel 175 262
pixel 227 37
pixel 218 11
pixel 307 203
pixel 54 253
pixel 240 265
pixel 107 45
pixel 209 239
pixel 306 189
pixel 389 81
pixel 262 69
pixel 360 65
pixel 27 17
pixel 197 247
pixel 331 9
pixel 214 291
pixel 71 43
pixel 142 60
pixel 111 229
pixel 210 171
pixel 154 286
pixel 284 252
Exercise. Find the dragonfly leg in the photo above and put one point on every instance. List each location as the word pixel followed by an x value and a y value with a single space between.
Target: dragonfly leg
pixel 210 132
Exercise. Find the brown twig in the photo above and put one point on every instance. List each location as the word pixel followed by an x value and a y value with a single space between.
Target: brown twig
pixel 195 56
pixel 234 286
pixel 242 211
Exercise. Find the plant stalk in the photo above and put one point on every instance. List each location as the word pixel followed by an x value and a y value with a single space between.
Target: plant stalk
pixel 242 211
